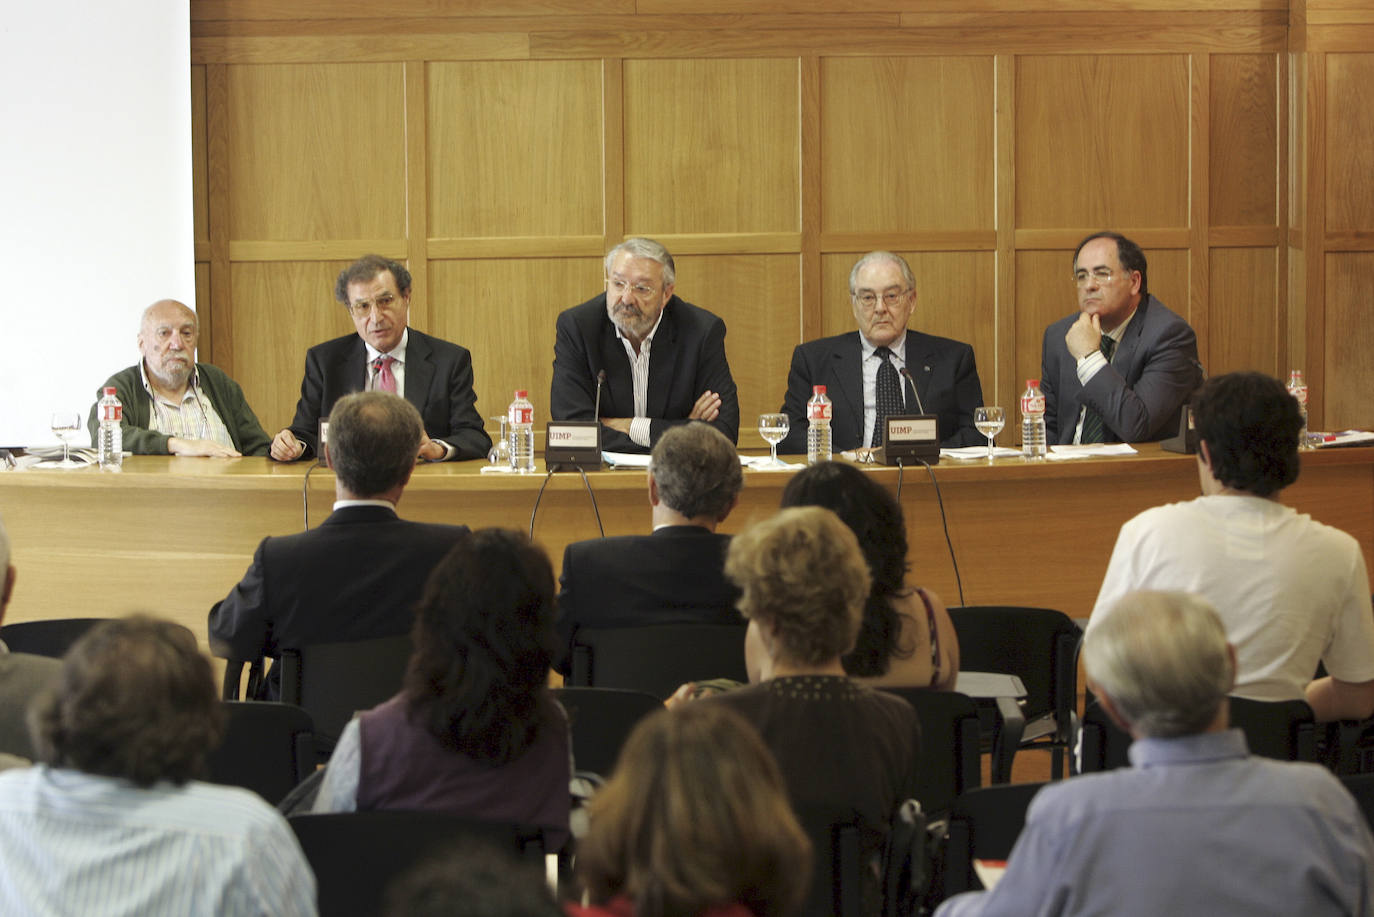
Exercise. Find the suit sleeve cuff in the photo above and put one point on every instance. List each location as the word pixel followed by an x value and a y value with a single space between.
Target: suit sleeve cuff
pixel 641 429
pixel 1088 366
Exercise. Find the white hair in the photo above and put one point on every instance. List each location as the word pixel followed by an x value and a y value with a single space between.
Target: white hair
pixel 645 248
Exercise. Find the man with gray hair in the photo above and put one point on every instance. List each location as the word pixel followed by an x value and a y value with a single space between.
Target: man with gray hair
pixel 356 576
pixel 863 370
pixel 661 359
pixel 676 575
pixel 22 675
pixel 1197 825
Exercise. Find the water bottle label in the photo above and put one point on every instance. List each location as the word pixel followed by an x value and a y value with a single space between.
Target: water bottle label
pixel 1299 392
pixel 522 415
pixel 1034 404
pixel 113 412
pixel 816 411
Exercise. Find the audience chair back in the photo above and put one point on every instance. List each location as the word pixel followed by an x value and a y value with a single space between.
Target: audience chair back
pixel 1038 645
pixel 600 720
pixel 267 748
pixel 333 681
pixel 52 637
pixel 356 855
pixel 837 873
pixel 949 742
pixel 656 658
pixel 983 825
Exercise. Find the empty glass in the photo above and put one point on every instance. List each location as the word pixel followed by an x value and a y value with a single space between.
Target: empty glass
pixel 500 448
pixel 66 425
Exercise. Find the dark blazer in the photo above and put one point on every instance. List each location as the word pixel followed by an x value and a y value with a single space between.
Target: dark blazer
pixel 688 358
pixel 357 576
pixel 22 677
pixel 943 370
pixel 1140 394
pixel 438 382
pixel 674 576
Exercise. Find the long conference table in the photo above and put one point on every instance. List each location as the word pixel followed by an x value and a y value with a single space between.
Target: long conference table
pixel 171 535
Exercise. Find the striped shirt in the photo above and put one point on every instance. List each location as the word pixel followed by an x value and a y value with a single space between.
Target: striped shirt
pixel 194 417
pixel 641 423
pixel 77 844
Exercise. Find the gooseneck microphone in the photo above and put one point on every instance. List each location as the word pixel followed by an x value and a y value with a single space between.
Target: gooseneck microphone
pixel 906 374
pixel 600 381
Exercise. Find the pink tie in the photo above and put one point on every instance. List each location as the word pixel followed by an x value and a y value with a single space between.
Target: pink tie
pixel 386 382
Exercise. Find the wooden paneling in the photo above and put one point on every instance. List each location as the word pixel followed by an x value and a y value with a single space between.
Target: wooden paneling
pixel 199 186
pixel 1102 140
pixel 1349 142
pixel 1244 140
pixel 880 117
pixel 316 151
pixel 1242 316
pixel 514 148
pixel 711 146
pixel 1349 343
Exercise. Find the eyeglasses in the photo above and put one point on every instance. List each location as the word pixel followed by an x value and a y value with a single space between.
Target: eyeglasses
pixel 892 298
pixel 637 290
pixel 1099 274
pixel 362 308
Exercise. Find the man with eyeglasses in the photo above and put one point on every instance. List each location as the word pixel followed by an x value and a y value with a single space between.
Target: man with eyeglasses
pixel 661 359
pixel 385 355
pixel 1122 369
pixel 174 405
pixel 869 373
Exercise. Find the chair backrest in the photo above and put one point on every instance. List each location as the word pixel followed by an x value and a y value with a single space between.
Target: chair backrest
pixel 601 719
pixel 1039 645
pixel 267 748
pixel 837 873
pixel 656 658
pixel 356 855
pixel 52 637
pixel 949 744
pixel 983 825
pixel 332 681
pixel 1104 745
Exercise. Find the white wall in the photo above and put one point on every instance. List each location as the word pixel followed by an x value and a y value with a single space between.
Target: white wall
pixel 95 192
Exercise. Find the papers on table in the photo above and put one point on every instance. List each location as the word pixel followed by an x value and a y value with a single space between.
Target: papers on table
pixel 1343 438
pixel 973 453
pixel 1089 450
pixel 625 459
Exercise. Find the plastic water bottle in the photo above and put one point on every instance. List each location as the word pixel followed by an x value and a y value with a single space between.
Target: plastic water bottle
pixel 1298 389
pixel 110 434
pixel 818 426
pixel 520 415
pixel 1033 421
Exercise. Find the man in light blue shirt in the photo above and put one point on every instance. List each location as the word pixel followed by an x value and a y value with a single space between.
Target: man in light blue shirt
pixel 112 823
pixel 1197 826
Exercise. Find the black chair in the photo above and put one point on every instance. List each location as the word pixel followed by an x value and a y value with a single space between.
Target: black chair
pixel 601 719
pixel 837 873
pixel 983 825
pixel 333 681
pixel 656 658
pixel 356 855
pixel 52 637
pixel 1039 646
pixel 267 748
pixel 949 743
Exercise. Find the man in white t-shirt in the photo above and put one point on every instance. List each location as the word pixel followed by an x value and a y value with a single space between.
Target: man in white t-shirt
pixel 1290 591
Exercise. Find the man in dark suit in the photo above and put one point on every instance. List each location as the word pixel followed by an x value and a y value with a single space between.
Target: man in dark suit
pixel 861 370
pixel 663 358
pixel 386 355
pixel 22 675
pixel 359 574
pixel 675 575
pixel 1122 369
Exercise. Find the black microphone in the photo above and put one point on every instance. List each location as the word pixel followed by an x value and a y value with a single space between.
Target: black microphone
pixel 906 374
pixel 600 380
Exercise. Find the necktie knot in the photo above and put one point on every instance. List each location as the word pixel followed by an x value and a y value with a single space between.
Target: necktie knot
pixel 1108 347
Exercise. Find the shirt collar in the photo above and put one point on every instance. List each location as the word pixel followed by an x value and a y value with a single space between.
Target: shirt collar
pixel 1117 333
pixel 648 338
pixel 397 353
pixel 1194 749
pixel 345 504
pixel 898 346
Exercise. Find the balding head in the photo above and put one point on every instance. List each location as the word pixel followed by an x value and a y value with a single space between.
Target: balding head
pixel 167 339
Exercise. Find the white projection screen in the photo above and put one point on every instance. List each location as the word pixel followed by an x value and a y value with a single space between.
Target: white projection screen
pixel 96 178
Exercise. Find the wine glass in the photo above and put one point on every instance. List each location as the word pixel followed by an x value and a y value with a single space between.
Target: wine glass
pixel 989 421
pixel 500 450
pixel 773 428
pixel 66 426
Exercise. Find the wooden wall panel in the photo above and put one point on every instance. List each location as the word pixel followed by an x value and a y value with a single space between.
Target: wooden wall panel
pixel 1243 322
pixel 316 151
pixel 711 146
pixel 1102 140
pixel 1349 343
pixel 907 144
pixel 1350 143
pixel 514 148
pixel 1243 140
pixel 199 185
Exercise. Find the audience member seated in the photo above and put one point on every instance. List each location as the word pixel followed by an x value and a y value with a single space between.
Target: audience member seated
pixel 1197 825
pixel 475 879
pixel 358 574
pixel 676 575
pixel 1290 590
pixel 113 822
pixel 474 731
pixel 842 746
pixel 907 638
pixel 695 823
pixel 22 675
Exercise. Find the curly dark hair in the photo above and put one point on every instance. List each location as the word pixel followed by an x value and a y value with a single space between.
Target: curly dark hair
pixel 875 517
pixel 484 639
pixel 1127 252
pixel 135 700
pixel 1250 425
pixel 367 267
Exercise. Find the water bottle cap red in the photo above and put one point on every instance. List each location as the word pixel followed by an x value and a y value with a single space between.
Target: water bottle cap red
pixel 522 393
pixel 818 389
pixel 109 389
pixel 1032 383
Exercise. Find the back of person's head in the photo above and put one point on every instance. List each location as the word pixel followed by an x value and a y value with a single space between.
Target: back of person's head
pixel 136 700
pixel 875 518
pixel 367 267
pixel 801 573
pixel 697 471
pixel 1250 425
pixel 1162 659
pixel 473 879
pixel 484 639
pixel 696 815
pixel 373 440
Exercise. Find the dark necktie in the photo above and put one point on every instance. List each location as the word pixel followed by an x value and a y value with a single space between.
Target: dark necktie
pixel 386 380
pixel 888 399
pixel 1093 429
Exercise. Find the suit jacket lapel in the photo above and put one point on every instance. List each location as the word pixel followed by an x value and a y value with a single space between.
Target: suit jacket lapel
pixel 920 359
pixel 351 368
pixel 618 395
pixel 663 362
pixel 1128 351
pixel 847 392
pixel 419 369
